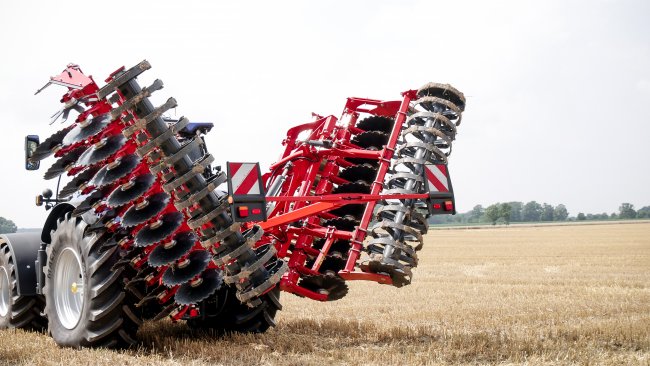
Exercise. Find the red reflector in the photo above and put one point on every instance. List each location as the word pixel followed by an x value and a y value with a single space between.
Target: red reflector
pixel 436 206
pixel 243 211
pixel 449 206
pixel 256 211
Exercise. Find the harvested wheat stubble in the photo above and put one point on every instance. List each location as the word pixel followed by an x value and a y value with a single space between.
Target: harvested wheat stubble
pixel 551 295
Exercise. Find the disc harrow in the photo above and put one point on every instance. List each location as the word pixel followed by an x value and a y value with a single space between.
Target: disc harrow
pixel 145 186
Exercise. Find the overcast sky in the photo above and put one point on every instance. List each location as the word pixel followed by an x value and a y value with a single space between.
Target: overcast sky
pixel 557 91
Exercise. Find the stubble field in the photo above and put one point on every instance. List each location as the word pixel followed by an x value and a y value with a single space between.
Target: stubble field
pixel 536 295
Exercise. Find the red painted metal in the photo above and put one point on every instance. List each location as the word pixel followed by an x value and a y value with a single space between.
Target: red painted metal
pixel 314 154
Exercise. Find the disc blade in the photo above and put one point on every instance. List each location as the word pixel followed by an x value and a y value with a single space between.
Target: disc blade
pixel 88 203
pixel 350 212
pixel 46 148
pixel 376 123
pixel 364 172
pixel 115 170
pixel 179 273
pixel 131 190
pixel 354 187
pixel 200 289
pixel 333 286
pixel 159 230
pixel 174 250
pixel 371 140
pixel 78 181
pixel 102 150
pixel 86 129
pixel 64 162
pixel 145 210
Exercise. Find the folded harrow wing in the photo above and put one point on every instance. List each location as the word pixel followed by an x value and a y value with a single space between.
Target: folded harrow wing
pixel 142 230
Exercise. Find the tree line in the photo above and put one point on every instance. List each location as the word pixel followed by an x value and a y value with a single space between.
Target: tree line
pixel 532 211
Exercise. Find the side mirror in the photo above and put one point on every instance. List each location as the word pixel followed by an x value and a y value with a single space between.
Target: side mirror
pixel 31 143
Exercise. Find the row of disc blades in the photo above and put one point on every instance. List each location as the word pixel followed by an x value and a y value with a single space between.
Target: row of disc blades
pixel 117 185
pixel 375 133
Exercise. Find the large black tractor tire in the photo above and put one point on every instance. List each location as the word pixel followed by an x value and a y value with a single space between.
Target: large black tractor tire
pixel 85 299
pixel 226 314
pixel 17 311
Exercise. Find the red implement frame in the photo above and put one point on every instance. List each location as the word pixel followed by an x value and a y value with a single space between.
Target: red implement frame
pixel 312 163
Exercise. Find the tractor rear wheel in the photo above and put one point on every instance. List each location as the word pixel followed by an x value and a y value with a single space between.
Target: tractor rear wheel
pixel 16 311
pixel 85 299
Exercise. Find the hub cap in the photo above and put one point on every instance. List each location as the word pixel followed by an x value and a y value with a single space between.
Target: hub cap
pixel 5 294
pixel 69 293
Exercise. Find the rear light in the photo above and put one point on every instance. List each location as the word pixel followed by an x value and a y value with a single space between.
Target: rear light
pixel 243 211
pixel 449 206
pixel 436 206
pixel 256 211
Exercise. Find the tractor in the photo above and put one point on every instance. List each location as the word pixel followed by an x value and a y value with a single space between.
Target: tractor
pixel 146 227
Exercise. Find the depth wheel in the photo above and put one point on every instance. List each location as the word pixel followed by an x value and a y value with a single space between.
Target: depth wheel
pixel 84 298
pixel 16 311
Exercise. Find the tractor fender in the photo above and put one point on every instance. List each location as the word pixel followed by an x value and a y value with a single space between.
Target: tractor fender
pixel 57 212
pixel 23 248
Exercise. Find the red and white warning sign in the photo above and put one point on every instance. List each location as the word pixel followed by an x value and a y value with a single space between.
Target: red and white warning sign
pixel 437 177
pixel 244 178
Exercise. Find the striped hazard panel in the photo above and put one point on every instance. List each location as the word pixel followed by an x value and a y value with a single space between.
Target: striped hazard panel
pixel 247 200
pixel 244 178
pixel 437 178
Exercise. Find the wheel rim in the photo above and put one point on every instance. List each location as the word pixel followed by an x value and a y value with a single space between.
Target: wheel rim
pixel 69 290
pixel 5 294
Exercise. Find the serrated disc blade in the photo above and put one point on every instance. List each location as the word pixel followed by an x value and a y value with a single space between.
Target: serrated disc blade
pixel 351 212
pixel 115 170
pixel 355 187
pixel 46 148
pixel 131 190
pixel 86 129
pixel 159 230
pixel 67 160
pixel 333 286
pixel 87 204
pixel 102 150
pixel 79 180
pixel 167 253
pixel 371 140
pixel 200 289
pixel 145 210
pixel 376 123
pixel 187 269
pixel 364 172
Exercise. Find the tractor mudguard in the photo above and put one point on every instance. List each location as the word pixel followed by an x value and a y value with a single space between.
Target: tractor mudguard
pixel 50 223
pixel 24 250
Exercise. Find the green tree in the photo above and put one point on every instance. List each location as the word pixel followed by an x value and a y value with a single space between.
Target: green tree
pixel 560 213
pixel 476 213
pixel 626 211
pixel 7 226
pixel 532 211
pixel 643 213
pixel 515 211
pixel 505 210
pixel 492 213
pixel 581 216
pixel 547 212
